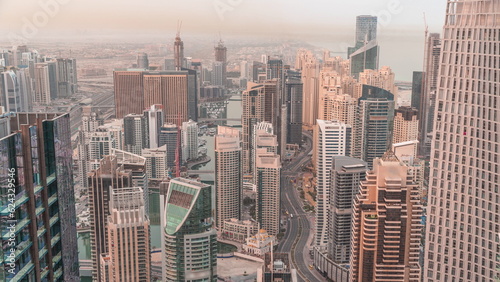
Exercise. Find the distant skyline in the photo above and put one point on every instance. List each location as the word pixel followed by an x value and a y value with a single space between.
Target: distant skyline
pixel 325 23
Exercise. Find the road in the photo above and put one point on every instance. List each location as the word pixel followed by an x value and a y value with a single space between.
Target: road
pixel 298 226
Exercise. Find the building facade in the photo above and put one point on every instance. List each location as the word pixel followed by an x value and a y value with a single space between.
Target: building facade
pixel 462 241
pixel 190 240
pixel 331 138
pixel 36 174
pixel 386 225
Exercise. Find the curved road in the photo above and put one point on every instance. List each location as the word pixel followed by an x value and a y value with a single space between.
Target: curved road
pixel 298 226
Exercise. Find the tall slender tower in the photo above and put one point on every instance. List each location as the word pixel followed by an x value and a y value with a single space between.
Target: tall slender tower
pixel 462 241
pixel 386 225
pixel 178 49
pixel 331 138
pixel 128 237
pixel 267 209
pixel 228 174
pixel 221 56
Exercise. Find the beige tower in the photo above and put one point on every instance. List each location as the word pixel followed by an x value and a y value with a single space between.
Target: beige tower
pixel 463 225
pixel 228 175
pixel 386 225
pixel 405 125
pixel 267 211
pixel 260 103
pixel 129 257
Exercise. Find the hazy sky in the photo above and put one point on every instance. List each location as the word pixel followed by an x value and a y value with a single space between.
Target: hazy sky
pixel 328 22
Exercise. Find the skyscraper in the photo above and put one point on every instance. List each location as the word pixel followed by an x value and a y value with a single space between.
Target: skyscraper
pixel 189 140
pixel 66 77
pixel 293 100
pixel 259 104
pixel 331 138
pixel 310 80
pixel 176 91
pixel 221 57
pixel 263 141
pixel 386 225
pixel 142 61
pixel 129 92
pixel 15 95
pixel 169 136
pixel 374 125
pixel 429 91
pixel 218 74
pixel 128 237
pixel 178 51
pixel 190 241
pixel 42 84
pixel 135 132
pixel 462 229
pixel 118 170
pixel 228 175
pixel 154 120
pixel 156 162
pixel 36 172
pixel 364 55
pixel 405 125
pixel 267 210
pixel 346 175
pixel 416 89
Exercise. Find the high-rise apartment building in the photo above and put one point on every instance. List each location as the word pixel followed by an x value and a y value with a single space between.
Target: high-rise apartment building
pixel 267 210
pixel 374 125
pixel 386 225
pixel 154 120
pixel 346 175
pixel 178 52
pixel 221 57
pixel 405 125
pixel 66 77
pixel 341 107
pixel 263 141
pixel 37 197
pixel 382 78
pixel 260 103
pixel 228 175
pixel 309 67
pixel 156 162
pixel 142 61
pixel 429 91
pixel 129 256
pixel 462 242
pixel 416 89
pixel 116 171
pixel 135 133
pixel 294 90
pixel 15 93
pixel 169 136
pixel 189 140
pixel 331 138
pixel 42 84
pixel 176 91
pixel 190 240
pixel 129 92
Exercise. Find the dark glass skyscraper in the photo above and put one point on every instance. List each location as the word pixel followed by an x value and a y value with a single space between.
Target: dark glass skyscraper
pixel 37 197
